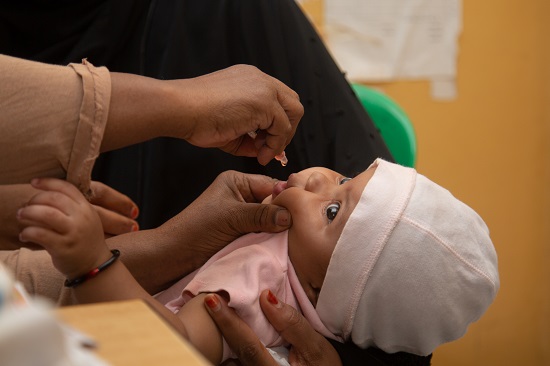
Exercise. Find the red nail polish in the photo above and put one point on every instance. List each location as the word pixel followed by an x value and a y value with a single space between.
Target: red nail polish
pixel 213 303
pixel 134 213
pixel 272 298
pixel 135 227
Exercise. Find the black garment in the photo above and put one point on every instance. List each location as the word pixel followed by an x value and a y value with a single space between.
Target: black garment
pixel 350 354
pixel 188 38
pixel 170 39
pixel 64 31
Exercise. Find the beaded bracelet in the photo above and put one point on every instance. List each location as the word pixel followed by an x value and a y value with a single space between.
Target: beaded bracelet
pixel 94 272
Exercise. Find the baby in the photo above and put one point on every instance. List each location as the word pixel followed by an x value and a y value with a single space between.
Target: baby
pixel 386 259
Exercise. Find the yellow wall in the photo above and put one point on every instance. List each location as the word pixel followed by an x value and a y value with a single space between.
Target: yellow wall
pixel 490 147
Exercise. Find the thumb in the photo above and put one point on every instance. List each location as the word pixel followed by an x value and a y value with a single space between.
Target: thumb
pixel 285 319
pixel 308 346
pixel 258 217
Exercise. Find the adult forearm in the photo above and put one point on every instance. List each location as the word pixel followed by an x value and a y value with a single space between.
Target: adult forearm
pixel 213 110
pixel 154 257
pixel 141 108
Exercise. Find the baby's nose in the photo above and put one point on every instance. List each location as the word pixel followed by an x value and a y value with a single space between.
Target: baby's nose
pixel 316 182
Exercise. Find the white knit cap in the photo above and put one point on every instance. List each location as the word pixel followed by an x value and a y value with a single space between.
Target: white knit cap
pixel 412 269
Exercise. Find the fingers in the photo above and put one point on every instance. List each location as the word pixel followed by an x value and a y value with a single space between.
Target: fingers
pixel 116 210
pixel 242 340
pixel 112 200
pixel 254 217
pixel 293 109
pixel 275 138
pixel 39 235
pixel 47 213
pixel 242 99
pixel 308 346
pixel 253 187
pixel 60 219
pixel 58 185
pixel 114 223
pixel 43 216
pixel 43 225
pixel 285 319
pixel 48 209
pixel 286 116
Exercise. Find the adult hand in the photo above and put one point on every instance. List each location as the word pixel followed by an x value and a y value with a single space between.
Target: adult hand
pixel 213 110
pixel 240 99
pixel 308 346
pixel 227 209
pixel 116 210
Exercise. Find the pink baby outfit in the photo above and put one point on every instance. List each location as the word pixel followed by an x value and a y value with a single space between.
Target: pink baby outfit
pixel 243 269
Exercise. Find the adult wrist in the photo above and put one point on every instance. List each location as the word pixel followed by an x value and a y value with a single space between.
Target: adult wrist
pixel 141 108
pixel 181 106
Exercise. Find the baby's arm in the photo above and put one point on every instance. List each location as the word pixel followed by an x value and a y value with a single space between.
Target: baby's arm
pixel 201 329
pixel 61 220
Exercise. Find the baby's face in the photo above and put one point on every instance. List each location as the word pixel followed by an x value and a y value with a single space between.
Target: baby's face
pixel 320 201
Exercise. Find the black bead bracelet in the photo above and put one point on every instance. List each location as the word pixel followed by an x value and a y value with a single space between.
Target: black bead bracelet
pixel 94 272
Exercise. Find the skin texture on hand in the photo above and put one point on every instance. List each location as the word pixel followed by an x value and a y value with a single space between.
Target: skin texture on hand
pixel 213 110
pixel 308 346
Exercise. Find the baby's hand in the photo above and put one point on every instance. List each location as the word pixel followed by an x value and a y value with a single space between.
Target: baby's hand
pixel 62 221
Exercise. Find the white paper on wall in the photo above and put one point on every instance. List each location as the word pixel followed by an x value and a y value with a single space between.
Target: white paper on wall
pixel 384 40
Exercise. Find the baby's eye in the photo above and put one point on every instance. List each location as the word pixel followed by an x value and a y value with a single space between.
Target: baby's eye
pixel 332 211
pixel 344 180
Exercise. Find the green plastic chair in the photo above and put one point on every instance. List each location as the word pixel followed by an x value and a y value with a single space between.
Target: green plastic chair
pixel 394 125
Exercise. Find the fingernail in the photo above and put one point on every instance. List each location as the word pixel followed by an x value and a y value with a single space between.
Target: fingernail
pixel 212 302
pixel 21 238
pixel 18 214
pixel 135 227
pixel 273 299
pixel 282 218
pixel 134 213
pixel 35 181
